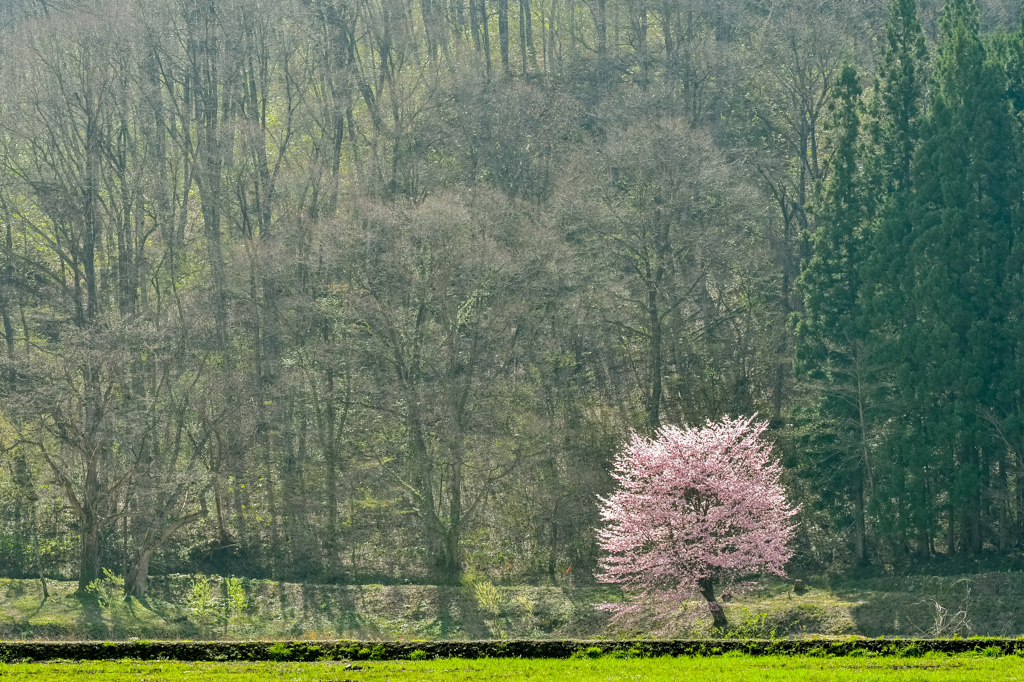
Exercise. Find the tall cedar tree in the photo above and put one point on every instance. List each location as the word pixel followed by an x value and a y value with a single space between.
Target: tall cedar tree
pixel 1015 65
pixel 832 350
pixel 1009 416
pixel 945 261
pixel 893 124
pixel 900 89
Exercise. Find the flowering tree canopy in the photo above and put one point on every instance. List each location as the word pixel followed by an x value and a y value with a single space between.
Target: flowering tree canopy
pixel 695 509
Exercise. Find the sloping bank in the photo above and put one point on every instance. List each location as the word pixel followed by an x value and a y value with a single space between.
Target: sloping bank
pixel 201 608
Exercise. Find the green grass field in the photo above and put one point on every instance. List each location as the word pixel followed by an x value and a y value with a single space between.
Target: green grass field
pixel 802 668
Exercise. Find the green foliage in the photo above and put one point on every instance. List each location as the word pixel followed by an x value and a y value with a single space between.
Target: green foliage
pixel 907 337
pixel 418 655
pixel 900 85
pixel 237 602
pixel 236 596
pixel 108 590
pixel 486 595
pixel 913 650
pixel 279 652
pixel 390 317
pixel 488 598
pixel 836 354
pixel 753 626
pixel 944 258
pixel 204 609
pixel 523 605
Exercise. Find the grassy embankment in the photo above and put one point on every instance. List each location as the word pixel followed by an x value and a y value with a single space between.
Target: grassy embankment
pixel 794 668
pixel 986 604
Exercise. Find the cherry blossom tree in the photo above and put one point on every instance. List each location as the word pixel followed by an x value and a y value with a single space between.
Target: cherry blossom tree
pixel 696 509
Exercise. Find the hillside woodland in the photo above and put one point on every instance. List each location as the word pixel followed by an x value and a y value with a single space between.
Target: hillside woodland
pixel 351 291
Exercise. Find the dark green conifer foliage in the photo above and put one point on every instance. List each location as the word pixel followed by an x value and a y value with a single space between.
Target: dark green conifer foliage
pixel 1015 66
pixel 846 330
pixel 943 266
pixel 830 280
pixel 900 87
pixel 1008 413
pixel 831 349
pixel 893 122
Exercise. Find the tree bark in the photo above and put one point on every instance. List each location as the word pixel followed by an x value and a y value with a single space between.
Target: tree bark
pixel 136 582
pixel 528 21
pixel 503 33
pixel 860 552
pixel 707 590
pixel 35 551
pixel 1004 515
pixel 654 319
pixel 137 579
pixel 89 556
pixel 485 33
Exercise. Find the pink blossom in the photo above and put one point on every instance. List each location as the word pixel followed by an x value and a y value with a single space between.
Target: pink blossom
pixel 695 509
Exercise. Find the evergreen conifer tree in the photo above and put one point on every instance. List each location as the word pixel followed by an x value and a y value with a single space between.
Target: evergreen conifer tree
pixel 941 272
pixel 831 350
pixel 893 121
pixel 900 89
pixel 1015 66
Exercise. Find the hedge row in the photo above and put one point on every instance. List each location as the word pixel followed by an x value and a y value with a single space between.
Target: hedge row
pixel 354 650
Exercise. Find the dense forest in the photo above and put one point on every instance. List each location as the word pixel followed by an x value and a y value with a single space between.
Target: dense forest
pixel 373 290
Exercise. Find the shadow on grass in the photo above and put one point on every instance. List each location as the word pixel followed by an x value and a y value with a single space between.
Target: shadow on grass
pixel 455 617
pixel 92 616
pixel 39 608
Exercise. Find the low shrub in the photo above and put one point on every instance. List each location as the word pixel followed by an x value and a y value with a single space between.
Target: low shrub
pixel 310 651
pixel 279 652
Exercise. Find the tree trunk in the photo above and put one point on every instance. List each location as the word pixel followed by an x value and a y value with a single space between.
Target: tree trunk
pixel 35 547
pixel 654 319
pixel 951 532
pixel 553 549
pixel 503 33
pixel 1018 487
pixel 485 33
pixel 601 25
pixel 707 590
pixel 860 551
pixel 136 582
pixel 522 36
pixel 137 576
pixel 475 17
pixel 976 538
pixel 89 563
pixel 1004 515
pixel 528 19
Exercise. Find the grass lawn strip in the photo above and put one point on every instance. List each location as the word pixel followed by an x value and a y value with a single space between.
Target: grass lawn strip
pixel 802 668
